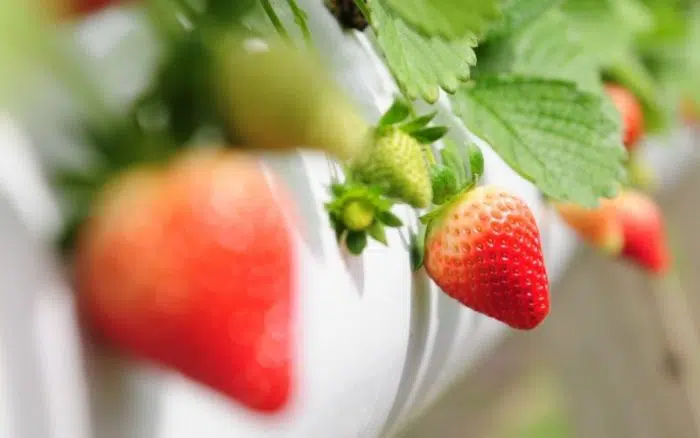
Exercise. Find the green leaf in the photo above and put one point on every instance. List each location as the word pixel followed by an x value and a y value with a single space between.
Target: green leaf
pixel 676 66
pixel 181 95
pixel 356 241
pixel 397 112
pixel 608 28
pixel 71 179
pixel 450 19
pixel 519 13
pixel 627 70
pixel 420 64
pixel 547 48
pixel 417 253
pixel 337 189
pixel 377 232
pixel 429 135
pixel 672 23
pixel 418 123
pixel 338 226
pixel 389 219
pixel 550 132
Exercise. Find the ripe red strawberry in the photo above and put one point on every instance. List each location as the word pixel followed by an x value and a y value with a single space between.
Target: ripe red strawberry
pixel 190 266
pixel 598 226
pixel 644 234
pixel 631 113
pixel 484 250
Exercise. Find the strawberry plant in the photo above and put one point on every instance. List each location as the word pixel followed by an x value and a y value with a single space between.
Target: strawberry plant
pixel 163 240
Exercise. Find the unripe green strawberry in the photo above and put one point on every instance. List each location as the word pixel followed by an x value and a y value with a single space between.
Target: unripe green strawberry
pixel 483 249
pixel 358 215
pixel 397 165
pixel 277 97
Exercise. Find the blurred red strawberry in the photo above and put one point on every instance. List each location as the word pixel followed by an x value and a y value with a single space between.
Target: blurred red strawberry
pixel 644 233
pixel 190 265
pixel 599 226
pixel 631 113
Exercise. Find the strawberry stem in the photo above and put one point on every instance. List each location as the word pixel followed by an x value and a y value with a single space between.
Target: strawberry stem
pixel 437 211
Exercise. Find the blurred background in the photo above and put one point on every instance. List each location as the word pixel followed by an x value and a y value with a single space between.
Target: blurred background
pixel 603 365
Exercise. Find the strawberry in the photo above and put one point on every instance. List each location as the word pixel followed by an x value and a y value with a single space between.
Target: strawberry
pixel 483 249
pixel 397 165
pixel 598 226
pixel 276 97
pixel 190 266
pixel 644 234
pixel 631 113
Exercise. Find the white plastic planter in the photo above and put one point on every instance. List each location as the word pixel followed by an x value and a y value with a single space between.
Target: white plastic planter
pixel 378 343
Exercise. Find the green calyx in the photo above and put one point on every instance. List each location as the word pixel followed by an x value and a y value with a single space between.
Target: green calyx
pixel 358 212
pixel 444 182
pixel 452 178
pixel 455 174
